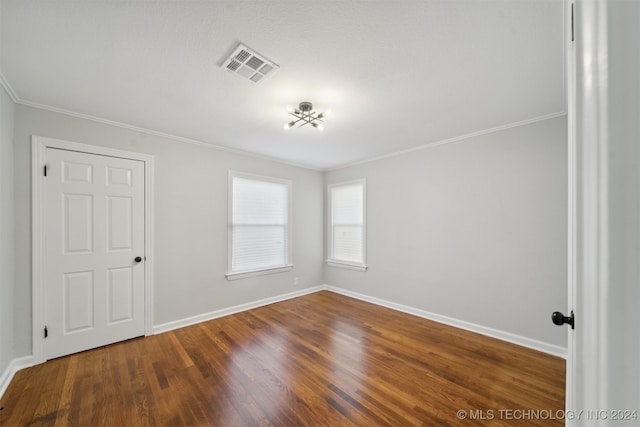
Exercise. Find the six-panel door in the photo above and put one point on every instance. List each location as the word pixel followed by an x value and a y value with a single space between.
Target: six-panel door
pixel 94 214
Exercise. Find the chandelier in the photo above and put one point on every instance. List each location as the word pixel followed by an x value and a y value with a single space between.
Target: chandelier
pixel 305 115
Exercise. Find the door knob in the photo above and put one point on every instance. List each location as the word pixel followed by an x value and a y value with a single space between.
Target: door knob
pixel 560 319
pixel 137 259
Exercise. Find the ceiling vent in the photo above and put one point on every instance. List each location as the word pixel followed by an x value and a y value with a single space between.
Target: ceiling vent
pixel 250 65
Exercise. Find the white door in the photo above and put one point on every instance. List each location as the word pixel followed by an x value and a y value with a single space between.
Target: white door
pixel 94 251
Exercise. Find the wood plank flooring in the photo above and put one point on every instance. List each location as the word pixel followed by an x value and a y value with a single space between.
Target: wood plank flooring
pixel 321 359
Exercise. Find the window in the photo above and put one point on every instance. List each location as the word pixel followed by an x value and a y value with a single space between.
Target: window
pixel 347 231
pixel 259 225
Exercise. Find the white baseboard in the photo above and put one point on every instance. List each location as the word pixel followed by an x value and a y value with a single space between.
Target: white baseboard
pixel 169 326
pixel 14 366
pixel 484 330
pixel 27 361
pixel 494 333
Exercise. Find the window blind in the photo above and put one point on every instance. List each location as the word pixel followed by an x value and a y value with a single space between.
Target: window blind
pixel 259 224
pixel 347 223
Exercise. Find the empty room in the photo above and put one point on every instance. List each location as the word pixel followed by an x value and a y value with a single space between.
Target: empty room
pixel 359 213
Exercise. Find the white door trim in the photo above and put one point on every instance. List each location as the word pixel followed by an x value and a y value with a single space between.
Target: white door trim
pixel 39 146
pixel 589 361
pixel 572 193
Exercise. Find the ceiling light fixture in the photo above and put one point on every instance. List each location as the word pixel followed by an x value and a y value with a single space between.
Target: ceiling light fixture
pixel 305 115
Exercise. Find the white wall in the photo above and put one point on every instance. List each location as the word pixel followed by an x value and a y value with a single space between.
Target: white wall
pixel 190 219
pixel 623 333
pixel 6 231
pixel 475 230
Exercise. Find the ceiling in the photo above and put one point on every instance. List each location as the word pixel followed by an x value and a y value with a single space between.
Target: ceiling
pixel 396 74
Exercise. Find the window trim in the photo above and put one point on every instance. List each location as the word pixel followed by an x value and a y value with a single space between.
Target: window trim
pixel 333 262
pixel 235 275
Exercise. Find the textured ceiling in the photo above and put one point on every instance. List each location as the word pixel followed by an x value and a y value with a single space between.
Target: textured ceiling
pixel 396 74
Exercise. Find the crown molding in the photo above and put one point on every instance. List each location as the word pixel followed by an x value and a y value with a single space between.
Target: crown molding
pixel 161 134
pixel 17 100
pixel 449 140
pixel 7 88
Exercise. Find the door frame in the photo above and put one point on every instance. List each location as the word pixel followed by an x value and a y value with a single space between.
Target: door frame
pixel 570 93
pixel 588 362
pixel 39 147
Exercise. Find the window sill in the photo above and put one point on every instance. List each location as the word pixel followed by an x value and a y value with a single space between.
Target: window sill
pixel 348 266
pixel 253 273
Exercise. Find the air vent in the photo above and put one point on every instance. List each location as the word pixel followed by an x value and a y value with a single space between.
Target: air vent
pixel 250 65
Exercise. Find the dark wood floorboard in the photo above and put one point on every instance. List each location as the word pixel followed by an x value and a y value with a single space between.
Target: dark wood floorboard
pixel 322 359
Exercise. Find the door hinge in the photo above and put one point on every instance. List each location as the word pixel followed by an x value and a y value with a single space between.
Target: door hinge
pixel 46 332
pixel 45 170
pixel 573 31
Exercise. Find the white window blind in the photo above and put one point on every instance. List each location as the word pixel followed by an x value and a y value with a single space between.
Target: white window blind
pixel 347 223
pixel 259 225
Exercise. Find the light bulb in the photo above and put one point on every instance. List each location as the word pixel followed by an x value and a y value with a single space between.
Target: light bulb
pixel 290 109
pixel 320 127
pixel 289 125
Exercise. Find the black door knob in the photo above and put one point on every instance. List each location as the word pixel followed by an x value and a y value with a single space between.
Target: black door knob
pixel 137 259
pixel 560 319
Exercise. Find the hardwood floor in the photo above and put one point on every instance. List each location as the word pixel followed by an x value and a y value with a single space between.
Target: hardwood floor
pixel 321 359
